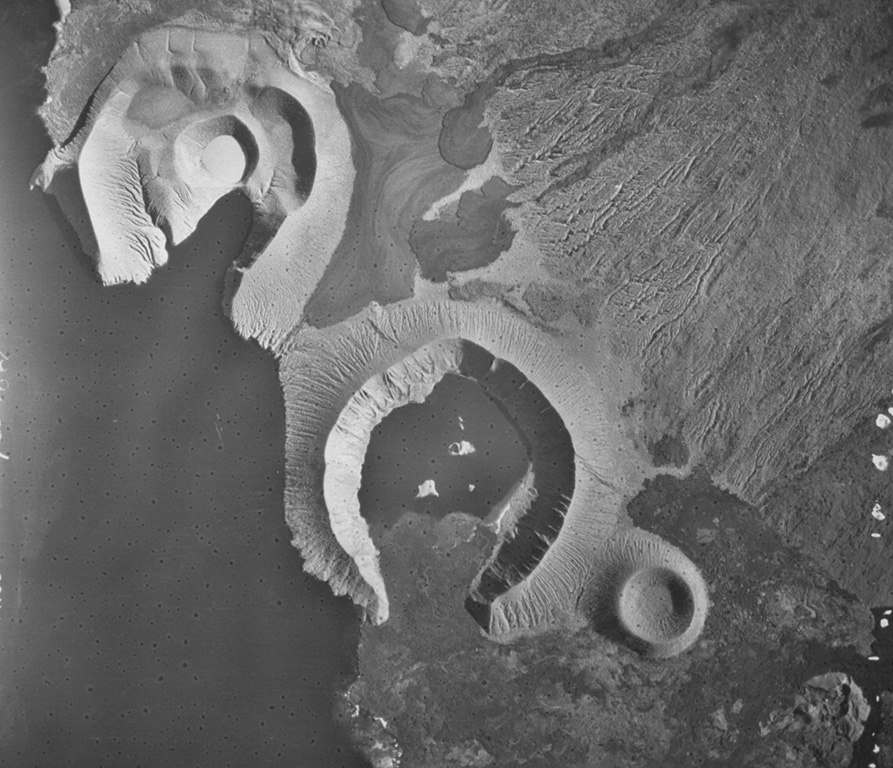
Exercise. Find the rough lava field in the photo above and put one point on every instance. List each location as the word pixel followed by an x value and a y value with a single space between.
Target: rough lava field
pixel 655 235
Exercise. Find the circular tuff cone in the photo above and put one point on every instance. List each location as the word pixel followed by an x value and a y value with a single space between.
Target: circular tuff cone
pixel 656 607
pixel 186 116
pixel 646 593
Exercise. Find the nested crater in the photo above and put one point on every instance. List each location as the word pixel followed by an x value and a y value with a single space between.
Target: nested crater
pixel 216 154
pixel 183 118
pixel 221 151
pixel 224 159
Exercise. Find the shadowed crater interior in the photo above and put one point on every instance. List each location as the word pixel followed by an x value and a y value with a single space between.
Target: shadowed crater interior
pixel 487 442
pixel 655 605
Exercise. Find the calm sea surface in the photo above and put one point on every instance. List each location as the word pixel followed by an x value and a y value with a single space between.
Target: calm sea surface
pixel 153 612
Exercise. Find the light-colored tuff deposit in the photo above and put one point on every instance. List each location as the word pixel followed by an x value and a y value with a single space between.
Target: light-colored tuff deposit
pixel 185 117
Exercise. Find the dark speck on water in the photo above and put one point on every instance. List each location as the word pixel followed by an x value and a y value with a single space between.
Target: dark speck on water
pixel 153 612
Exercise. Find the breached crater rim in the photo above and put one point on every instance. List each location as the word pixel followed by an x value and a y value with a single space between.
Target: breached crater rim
pixel 341 381
pixel 186 116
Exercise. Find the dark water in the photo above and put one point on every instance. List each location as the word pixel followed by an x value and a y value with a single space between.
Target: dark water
pixel 153 612
pixel 412 445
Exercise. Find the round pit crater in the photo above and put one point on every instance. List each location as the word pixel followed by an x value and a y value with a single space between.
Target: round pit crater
pixel 655 606
pixel 224 159
pixel 220 151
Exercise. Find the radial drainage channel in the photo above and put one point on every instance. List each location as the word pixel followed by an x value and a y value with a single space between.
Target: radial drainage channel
pixel 486 442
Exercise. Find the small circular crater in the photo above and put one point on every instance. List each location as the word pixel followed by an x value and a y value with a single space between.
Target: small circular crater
pixel 224 158
pixel 655 606
pixel 220 151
